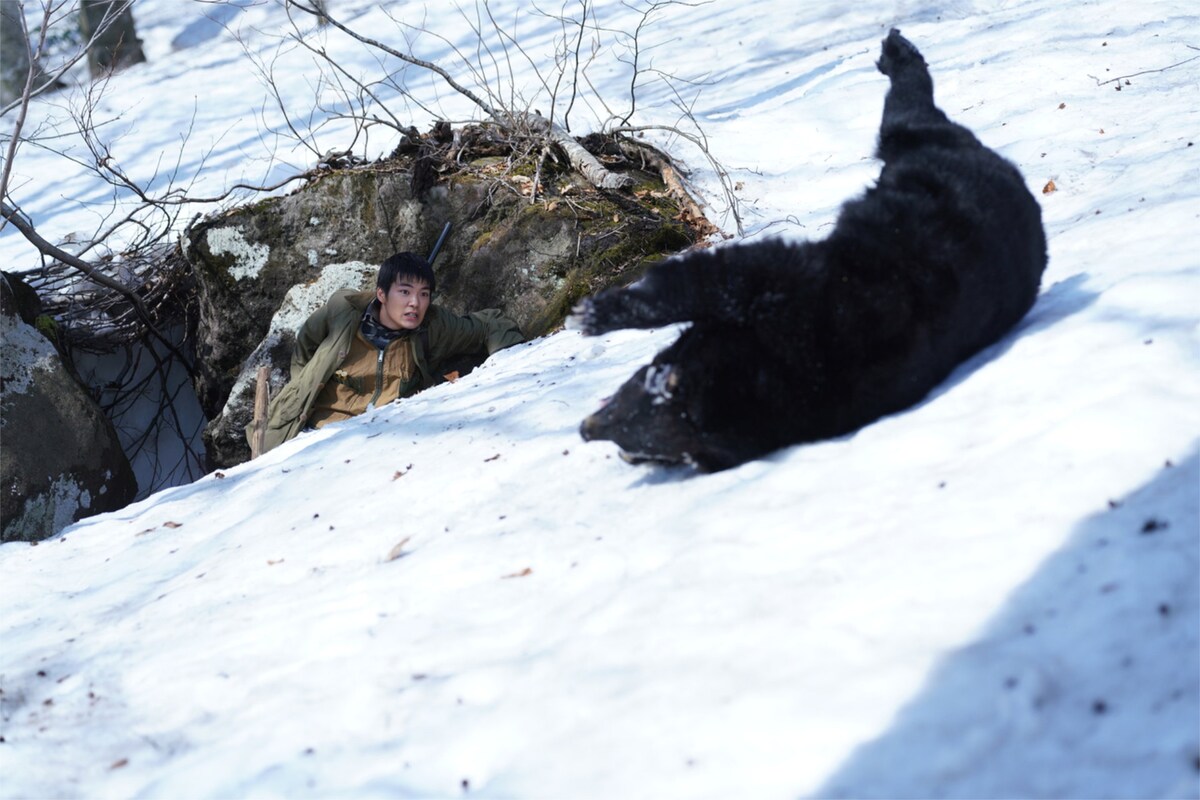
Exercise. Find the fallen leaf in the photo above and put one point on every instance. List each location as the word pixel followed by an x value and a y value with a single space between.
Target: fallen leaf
pixel 399 474
pixel 1062 105
pixel 218 474
pixel 172 524
pixel 493 458
pixel 521 574
pixel 398 550
pixel 1049 187
pixel 271 563
pixel 120 762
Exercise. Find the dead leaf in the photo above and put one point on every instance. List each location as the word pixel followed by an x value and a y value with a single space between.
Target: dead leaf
pixel 172 524
pixel 218 474
pixel 399 474
pixel 451 376
pixel 1062 105
pixel 493 458
pixel 398 550
pixel 1049 187
pixel 120 762
pixel 271 563
pixel 521 574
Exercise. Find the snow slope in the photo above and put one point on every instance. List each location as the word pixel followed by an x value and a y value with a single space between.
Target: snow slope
pixel 992 594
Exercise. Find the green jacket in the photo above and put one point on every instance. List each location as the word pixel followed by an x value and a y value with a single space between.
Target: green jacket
pixel 323 342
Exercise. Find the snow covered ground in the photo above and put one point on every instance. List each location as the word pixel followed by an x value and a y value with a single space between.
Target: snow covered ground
pixel 994 594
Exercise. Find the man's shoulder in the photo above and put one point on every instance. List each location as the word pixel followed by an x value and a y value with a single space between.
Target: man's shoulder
pixel 355 298
pixel 347 303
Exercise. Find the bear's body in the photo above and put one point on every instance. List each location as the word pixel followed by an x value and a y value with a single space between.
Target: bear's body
pixel 793 343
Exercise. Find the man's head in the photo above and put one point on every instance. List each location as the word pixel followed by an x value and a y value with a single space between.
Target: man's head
pixel 404 288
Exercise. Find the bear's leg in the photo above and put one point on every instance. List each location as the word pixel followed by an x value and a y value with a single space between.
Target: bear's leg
pixel 671 291
pixel 725 286
pixel 909 103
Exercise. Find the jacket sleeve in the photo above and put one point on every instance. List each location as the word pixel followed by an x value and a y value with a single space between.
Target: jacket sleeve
pixel 455 335
pixel 309 338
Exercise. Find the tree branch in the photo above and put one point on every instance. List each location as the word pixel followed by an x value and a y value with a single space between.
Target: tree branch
pixel 46 248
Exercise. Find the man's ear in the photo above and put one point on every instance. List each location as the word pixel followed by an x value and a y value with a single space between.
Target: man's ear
pixel 380 294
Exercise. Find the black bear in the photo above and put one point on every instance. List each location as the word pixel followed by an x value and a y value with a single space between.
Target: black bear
pixel 793 343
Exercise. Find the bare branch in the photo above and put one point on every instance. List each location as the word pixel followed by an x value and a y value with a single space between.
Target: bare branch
pixel 30 233
pixel 410 59
pixel 701 144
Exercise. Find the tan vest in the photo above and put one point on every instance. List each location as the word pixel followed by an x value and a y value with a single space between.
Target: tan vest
pixel 352 389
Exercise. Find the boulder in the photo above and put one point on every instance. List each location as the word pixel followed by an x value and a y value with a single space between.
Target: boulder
pixel 60 459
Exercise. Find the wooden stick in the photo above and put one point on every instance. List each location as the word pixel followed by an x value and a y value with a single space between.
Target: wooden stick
pixel 262 392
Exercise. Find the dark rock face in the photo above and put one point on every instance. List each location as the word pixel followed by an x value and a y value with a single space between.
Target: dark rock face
pixel 60 460
pixel 532 260
pixel 793 343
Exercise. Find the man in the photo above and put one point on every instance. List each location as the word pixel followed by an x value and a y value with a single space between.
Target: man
pixel 364 349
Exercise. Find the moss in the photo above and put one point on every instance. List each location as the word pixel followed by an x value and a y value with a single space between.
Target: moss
pixel 481 241
pixel 526 168
pixel 47 326
pixel 364 191
pixel 575 287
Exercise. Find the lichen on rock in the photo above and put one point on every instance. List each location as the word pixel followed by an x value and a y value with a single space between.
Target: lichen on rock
pixel 248 259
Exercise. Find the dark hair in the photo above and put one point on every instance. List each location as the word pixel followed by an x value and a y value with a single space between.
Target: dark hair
pixel 404 265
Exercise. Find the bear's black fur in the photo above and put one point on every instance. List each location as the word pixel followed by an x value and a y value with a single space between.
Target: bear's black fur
pixel 792 343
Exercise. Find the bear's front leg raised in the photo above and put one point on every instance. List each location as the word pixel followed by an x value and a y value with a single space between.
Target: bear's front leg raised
pixel 721 285
pixel 671 291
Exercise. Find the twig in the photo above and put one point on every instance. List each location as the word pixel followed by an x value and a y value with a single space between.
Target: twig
pixel 1145 71
pixel 31 235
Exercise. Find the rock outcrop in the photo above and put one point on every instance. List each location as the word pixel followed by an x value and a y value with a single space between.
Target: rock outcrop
pixel 531 254
pixel 60 459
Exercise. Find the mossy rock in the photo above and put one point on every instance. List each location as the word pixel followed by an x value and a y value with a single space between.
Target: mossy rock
pixel 533 258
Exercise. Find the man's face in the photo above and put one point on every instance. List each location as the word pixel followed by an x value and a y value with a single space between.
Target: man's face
pixel 404 305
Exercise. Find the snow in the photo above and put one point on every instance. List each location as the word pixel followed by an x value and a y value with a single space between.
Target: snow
pixel 993 594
